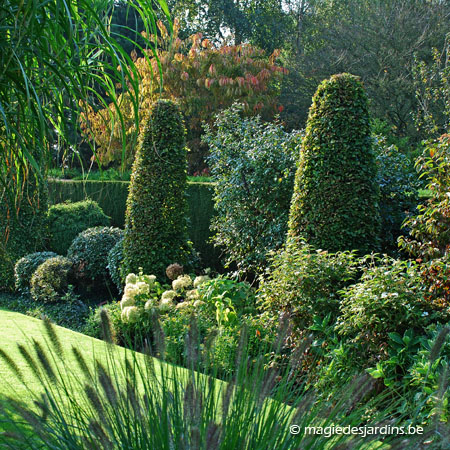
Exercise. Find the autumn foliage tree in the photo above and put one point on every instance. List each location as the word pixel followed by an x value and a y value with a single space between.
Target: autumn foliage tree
pixel 201 78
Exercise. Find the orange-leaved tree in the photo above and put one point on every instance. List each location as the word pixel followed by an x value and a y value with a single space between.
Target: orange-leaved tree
pixel 202 78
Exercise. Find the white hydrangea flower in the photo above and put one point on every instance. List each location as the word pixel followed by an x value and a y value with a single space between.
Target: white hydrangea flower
pixel 168 295
pixel 131 278
pixel 200 280
pixel 192 294
pixel 126 301
pixel 149 304
pixel 149 279
pixel 132 314
pixel 183 305
pixel 198 303
pixel 142 287
pixel 182 282
pixel 166 304
pixel 131 290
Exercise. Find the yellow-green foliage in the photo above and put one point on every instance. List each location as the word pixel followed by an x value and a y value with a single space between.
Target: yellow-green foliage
pixel 335 201
pixel 155 223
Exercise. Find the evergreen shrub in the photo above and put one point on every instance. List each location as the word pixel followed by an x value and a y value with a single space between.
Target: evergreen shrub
pixel 156 216
pixel 335 202
pixel 253 165
pixel 67 220
pixel 22 225
pixel 89 252
pixel 25 267
pixel 51 280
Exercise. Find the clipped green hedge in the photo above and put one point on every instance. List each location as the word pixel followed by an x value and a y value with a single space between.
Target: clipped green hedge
pixel 335 205
pixel 112 197
pixel 67 220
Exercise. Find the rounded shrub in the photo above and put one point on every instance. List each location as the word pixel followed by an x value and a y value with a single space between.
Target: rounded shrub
pixel 89 252
pixel 335 201
pixel 50 281
pixel 115 261
pixel 155 223
pixel 22 224
pixel 67 220
pixel 303 282
pixel 26 266
pixel 389 297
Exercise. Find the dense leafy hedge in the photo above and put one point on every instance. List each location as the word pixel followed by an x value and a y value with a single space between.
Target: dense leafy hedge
pixel 22 225
pixel 335 201
pixel 67 220
pixel 253 165
pixel 156 217
pixel 112 195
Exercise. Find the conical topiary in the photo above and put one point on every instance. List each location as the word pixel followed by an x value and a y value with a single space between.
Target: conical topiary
pixel 156 216
pixel 335 201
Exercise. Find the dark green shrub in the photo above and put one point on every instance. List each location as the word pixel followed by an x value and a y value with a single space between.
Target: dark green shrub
pixel 156 217
pixel 50 281
pixel 69 311
pixel 115 262
pixel 399 195
pixel 304 282
pixel 89 252
pixel 253 166
pixel 26 266
pixel 67 220
pixel 22 225
pixel 335 201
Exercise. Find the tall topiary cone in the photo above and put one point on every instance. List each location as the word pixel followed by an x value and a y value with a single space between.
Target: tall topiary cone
pixel 335 201
pixel 156 215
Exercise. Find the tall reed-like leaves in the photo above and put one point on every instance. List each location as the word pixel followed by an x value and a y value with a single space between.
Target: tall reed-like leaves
pixel 56 57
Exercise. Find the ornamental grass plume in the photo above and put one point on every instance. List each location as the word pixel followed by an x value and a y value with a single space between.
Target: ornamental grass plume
pixel 127 400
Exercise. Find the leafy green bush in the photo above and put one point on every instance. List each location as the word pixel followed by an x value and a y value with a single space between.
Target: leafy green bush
pixel 389 298
pixel 156 217
pixel 89 252
pixel 115 262
pixel 335 201
pixel 67 220
pixel 253 166
pixel 51 279
pixel 22 224
pixel 399 191
pixel 26 266
pixel 304 282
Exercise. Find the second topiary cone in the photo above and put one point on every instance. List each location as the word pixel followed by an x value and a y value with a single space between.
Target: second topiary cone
pixel 156 215
pixel 335 201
